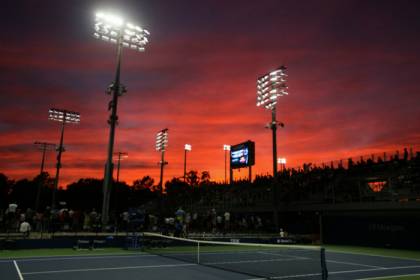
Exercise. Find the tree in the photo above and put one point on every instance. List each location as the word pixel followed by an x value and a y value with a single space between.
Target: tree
pixel 4 190
pixel 192 178
pixel 205 177
pixel 83 194
pixel 146 182
pixel 178 193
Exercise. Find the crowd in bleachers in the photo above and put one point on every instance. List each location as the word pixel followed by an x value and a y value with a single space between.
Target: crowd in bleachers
pixel 337 182
pixel 219 207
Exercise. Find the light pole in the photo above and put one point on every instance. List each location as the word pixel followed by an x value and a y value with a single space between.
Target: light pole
pixel 120 156
pixel 114 29
pixel 64 117
pixel 270 87
pixel 282 162
pixel 161 144
pixel 187 148
pixel 226 148
pixel 42 146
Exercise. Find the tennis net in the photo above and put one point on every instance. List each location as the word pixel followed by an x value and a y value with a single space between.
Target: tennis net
pixel 269 261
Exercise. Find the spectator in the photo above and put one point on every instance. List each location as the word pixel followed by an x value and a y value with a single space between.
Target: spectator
pixel 282 233
pixel 180 214
pixel 227 221
pixel 219 221
pixel 25 229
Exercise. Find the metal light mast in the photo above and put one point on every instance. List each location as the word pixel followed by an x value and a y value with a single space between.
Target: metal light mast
pixel 120 157
pixel 161 144
pixel 226 148
pixel 114 29
pixel 187 148
pixel 44 147
pixel 64 117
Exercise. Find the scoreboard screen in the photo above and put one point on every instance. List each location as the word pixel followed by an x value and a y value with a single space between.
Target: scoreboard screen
pixel 242 155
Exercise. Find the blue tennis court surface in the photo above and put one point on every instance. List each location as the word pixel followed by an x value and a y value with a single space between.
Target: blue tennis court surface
pixel 147 266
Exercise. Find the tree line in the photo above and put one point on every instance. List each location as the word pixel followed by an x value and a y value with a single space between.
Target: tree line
pixel 86 193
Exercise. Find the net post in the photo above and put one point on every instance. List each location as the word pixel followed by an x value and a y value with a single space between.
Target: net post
pixel 198 252
pixel 324 265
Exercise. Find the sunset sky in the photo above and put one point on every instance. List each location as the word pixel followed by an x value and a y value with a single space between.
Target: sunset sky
pixel 353 82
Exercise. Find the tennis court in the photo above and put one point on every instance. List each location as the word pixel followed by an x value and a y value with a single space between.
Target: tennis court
pixel 237 262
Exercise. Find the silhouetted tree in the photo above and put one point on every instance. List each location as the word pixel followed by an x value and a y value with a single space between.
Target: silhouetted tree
pixel 45 183
pixel 4 190
pixel 178 193
pixel 146 182
pixel 83 194
pixel 192 178
pixel 205 177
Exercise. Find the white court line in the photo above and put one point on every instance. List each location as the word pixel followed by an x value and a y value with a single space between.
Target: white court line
pixel 357 264
pixel 389 276
pixel 369 254
pixel 89 257
pixel 342 272
pixel 18 270
pixel 374 269
pixel 274 254
pixel 288 276
pixel 208 253
pixel 248 261
pixel 107 268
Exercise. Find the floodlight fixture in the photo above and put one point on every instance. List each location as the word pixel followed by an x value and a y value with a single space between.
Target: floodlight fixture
pixel 270 87
pixel 162 140
pixel 226 147
pixel 62 116
pixel 187 147
pixel 281 160
pixel 115 29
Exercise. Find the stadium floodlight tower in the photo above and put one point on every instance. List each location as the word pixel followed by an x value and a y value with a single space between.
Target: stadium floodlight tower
pixel 161 144
pixel 115 30
pixel 120 156
pixel 270 87
pixel 64 117
pixel 187 148
pixel 226 148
